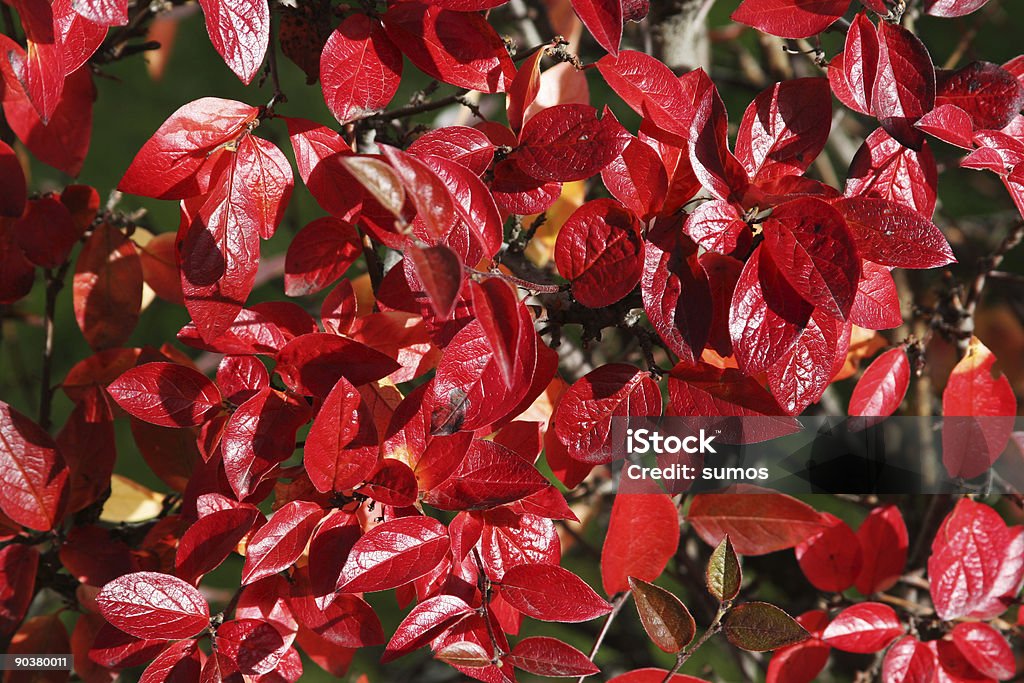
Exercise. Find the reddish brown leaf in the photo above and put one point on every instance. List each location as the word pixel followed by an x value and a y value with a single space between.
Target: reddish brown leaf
pixel 666 620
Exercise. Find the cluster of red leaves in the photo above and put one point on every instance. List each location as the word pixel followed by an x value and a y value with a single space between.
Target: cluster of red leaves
pixel 753 293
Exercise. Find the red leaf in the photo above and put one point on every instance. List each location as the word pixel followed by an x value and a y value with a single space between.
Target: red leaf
pixel 904 88
pixel 643 534
pixel 860 61
pixel 715 225
pixel 258 435
pixel 802 374
pixel 523 90
pixel 603 18
pixel 360 69
pixel 459 48
pixel 952 8
pixel 651 675
pixel 441 273
pixel 280 542
pixel 210 540
pixel 63 140
pixel 599 249
pixel 975 563
pixel 908 661
pixel 264 328
pixel 426 621
pixel 717 169
pixel 496 307
pixel 790 18
pixel 311 364
pixel 320 254
pixel 253 645
pixel 509 539
pixel 544 656
pixel 876 305
pixel 979 405
pixel 113 648
pixel 986 649
pixel 756 524
pixel 705 390
pixel 179 663
pixel 568 142
pixel 12 202
pixel 893 235
pixel 107 288
pixel 763 330
pixel 809 242
pixel 785 128
pixel 239 31
pixel 166 166
pixel 885 169
pixel 154 606
pixel 490 475
pixel 882 387
pixel 41 70
pixel 676 293
pixel 266 173
pixel 550 593
pixel 392 483
pixel 864 628
pixel 166 394
pixel 46 232
pixel 394 553
pixel 103 12
pixel 949 123
pixel 651 90
pixel 466 146
pixel 219 251
pixel 637 178
pixel 478 229
pixel 583 420
pixel 800 663
pixel 831 560
pixel 341 448
pixel 883 541
pixel 434 205
pixel 18 564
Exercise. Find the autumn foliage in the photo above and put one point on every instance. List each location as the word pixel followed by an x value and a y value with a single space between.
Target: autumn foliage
pixel 413 403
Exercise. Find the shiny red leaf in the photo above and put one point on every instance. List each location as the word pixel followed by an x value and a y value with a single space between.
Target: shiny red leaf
pixel 603 18
pixel 341 448
pixel 876 306
pixel 790 18
pixel 279 543
pixel 463 145
pixel 882 387
pixel 167 164
pixel 253 645
pixel 154 606
pixel 893 235
pixel 490 475
pixel 885 169
pixel 756 524
pixel 459 48
pixel 360 68
pixel 550 657
pixel 568 142
pixel 583 420
pixel 831 559
pixel 986 649
pixel 979 405
pixel 166 394
pixel 426 621
pixel 643 534
pixel 239 31
pixel 785 128
pixel 599 249
pixel 394 553
pixel 904 87
pixel 210 540
pixel 864 628
pixel 908 661
pixel 311 364
pixel 551 593
pixel 883 540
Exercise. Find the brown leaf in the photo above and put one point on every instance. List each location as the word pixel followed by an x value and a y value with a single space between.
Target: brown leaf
pixel 665 618
pixel 724 573
pixel 759 627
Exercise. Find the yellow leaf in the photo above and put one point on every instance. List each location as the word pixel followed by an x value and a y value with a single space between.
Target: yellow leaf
pixel 130 501
pixel 542 247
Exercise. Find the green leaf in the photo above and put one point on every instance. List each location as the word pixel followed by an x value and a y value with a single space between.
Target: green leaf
pixel 724 573
pixel 665 618
pixel 759 627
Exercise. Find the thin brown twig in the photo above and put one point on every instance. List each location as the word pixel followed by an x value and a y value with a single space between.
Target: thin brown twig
pixel 617 602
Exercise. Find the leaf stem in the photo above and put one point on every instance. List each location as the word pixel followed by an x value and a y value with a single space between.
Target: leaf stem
pixel 712 629
pixel 519 282
pixel 54 283
pixel 617 602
